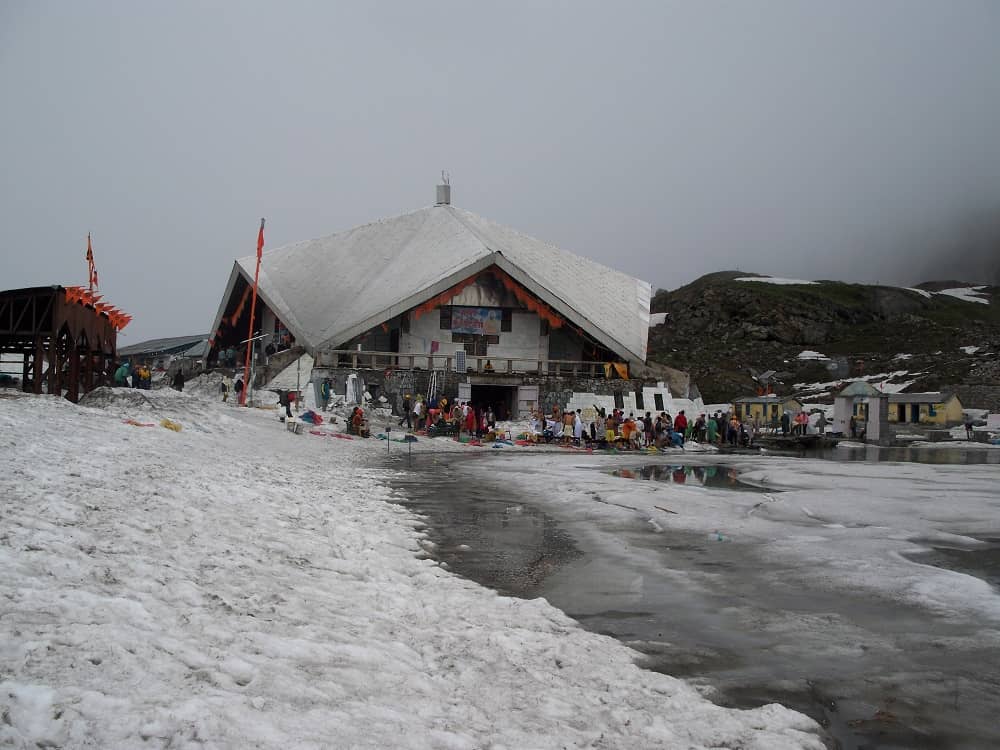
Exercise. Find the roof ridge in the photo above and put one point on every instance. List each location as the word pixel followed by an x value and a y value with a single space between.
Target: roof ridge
pixel 355 228
pixel 456 214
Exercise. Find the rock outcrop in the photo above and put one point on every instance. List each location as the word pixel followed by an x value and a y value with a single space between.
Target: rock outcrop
pixel 724 332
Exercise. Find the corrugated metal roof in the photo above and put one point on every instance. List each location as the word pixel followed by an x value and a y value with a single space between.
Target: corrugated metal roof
pixel 331 289
pixel 198 351
pixel 919 398
pixel 173 345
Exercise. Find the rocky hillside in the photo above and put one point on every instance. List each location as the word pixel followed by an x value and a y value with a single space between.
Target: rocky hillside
pixel 935 336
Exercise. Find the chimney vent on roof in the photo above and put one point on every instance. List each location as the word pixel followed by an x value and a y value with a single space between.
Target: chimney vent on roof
pixel 444 190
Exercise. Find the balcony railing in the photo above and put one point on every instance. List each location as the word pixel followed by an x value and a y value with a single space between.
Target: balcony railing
pixel 373 360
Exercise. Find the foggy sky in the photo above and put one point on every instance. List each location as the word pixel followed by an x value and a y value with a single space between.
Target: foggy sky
pixel 856 141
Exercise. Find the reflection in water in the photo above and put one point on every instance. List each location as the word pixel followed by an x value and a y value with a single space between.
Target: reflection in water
pixel 876 673
pixel 487 534
pixel 981 562
pixel 913 454
pixel 718 477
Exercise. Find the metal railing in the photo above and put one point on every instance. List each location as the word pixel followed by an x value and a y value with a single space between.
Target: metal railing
pixel 375 360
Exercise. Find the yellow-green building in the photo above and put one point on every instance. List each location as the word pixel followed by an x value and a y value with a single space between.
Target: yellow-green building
pixel 765 409
pixel 925 408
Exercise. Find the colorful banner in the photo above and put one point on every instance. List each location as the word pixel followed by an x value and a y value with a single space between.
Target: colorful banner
pixel 484 321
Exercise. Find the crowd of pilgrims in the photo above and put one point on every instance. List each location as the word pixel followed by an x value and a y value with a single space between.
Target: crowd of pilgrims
pixel 437 414
pixel 634 433
pixel 603 430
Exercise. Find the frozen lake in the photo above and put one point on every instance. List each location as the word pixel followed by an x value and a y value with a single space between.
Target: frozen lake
pixel 864 595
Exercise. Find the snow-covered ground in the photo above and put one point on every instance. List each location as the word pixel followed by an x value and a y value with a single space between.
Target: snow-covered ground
pixel 854 518
pixel 232 584
pixel 967 294
pixel 882 381
pixel 964 293
pixel 809 354
pixel 828 574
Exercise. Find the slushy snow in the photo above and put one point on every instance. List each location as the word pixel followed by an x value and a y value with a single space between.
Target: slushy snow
pixel 233 584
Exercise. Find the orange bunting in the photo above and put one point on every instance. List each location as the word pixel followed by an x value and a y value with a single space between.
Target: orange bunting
pixel 443 298
pixel 239 308
pixel 78 294
pixel 525 298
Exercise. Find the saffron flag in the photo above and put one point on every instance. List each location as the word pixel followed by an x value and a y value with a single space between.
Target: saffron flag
pixel 260 240
pixel 91 268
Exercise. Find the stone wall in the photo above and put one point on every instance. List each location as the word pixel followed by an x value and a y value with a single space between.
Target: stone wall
pixel 393 384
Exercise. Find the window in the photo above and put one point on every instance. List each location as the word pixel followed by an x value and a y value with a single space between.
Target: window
pixel 404 322
pixel 474 344
pixel 476 347
pixel 658 401
pixel 774 411
pixel 543 328
pixel 619 400
pixel 507 320
pixel 738 410
pixel 638 400
pixel 445 318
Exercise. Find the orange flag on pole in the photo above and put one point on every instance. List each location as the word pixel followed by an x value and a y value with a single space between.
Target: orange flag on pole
pixel 91 268
pixel 253 307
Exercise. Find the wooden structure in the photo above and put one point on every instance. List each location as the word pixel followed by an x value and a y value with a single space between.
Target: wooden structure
pixel 382 360
pixel 65 336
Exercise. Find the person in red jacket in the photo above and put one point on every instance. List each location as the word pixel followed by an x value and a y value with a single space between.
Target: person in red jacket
pixel 470 420
pixel 681 423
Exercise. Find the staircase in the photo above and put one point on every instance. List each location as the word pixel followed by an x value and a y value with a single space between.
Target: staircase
pixel 276 364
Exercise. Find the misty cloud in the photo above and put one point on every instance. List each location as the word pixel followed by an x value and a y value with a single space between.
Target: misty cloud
pixel 851 140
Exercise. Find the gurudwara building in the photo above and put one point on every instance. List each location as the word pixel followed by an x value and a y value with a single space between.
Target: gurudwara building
pixel 442 302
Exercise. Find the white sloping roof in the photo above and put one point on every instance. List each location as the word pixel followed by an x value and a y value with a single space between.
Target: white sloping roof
pixel 331 289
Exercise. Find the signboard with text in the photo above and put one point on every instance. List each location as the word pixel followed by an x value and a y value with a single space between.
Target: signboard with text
pixel 484 321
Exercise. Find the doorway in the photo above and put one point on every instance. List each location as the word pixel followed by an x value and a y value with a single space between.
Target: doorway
pixel 499 397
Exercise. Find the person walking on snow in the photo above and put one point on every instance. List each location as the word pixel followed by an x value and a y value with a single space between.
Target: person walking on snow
pixel 821 423
pixel 418 410
pixel 712 430
pixel 407 412
pixel 578 428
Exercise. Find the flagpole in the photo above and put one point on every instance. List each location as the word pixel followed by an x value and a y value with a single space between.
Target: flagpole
pixel 253 307
pixel 91 268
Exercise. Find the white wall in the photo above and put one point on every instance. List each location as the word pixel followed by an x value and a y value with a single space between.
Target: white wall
pixel 267 326
pixel 523 340
pixel 587 401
